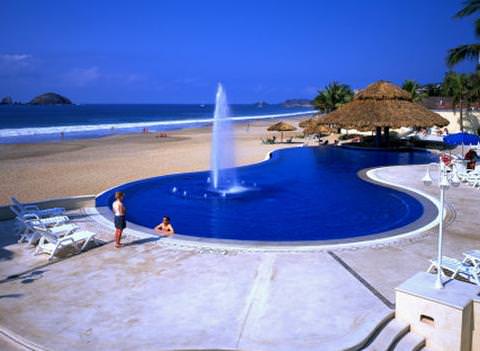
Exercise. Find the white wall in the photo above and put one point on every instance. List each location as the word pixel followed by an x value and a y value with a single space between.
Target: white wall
pixel 471 120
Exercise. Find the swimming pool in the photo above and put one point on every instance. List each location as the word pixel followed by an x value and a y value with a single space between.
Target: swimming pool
pixel 300 194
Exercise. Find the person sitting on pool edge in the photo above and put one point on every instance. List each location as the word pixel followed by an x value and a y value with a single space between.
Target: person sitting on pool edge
pixel 165 228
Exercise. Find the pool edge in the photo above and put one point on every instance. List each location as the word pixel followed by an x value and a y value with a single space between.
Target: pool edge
pixel 384 238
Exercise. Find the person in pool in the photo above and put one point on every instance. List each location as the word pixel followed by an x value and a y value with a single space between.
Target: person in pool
pixel 119 219
pixel 165 228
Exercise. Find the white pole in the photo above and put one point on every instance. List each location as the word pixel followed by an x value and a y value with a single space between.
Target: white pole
pixel 439 283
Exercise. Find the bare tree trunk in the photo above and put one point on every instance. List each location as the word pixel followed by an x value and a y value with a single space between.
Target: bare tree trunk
pixel 461 115
pixel 386 133
pixel 378 136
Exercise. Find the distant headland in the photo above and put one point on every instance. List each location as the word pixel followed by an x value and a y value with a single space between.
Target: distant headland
pixel 297 103
pixel 43 99
pixel 289 103
pixel 50 99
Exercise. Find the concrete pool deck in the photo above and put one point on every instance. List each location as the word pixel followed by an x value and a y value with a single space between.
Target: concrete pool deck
pixel 152 296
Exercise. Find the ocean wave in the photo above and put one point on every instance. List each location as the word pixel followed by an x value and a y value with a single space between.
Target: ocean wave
pixel 30 131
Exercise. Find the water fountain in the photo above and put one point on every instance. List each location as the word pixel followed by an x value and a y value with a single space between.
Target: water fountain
pixel 223 177
pixel 222 182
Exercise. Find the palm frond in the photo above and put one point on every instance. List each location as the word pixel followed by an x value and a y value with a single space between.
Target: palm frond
pixel 414 89
pixel 462 53
pixel 334 95
pixel 471 6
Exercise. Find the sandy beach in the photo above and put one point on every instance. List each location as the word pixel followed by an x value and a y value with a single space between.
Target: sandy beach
pixel 34 172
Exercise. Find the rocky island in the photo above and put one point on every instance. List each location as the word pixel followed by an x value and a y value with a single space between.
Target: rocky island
pixel 297 103
pixel 50 99
pixel 7 100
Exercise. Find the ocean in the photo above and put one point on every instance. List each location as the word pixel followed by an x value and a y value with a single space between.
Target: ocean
pixel 30 124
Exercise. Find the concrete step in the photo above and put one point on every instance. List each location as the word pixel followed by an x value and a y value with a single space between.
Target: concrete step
pixel 389 336
pixel 410 342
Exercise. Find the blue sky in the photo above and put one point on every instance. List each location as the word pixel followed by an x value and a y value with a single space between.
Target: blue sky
pixel 176 51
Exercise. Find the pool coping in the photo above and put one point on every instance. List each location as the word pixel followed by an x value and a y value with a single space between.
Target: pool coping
pixel 427 221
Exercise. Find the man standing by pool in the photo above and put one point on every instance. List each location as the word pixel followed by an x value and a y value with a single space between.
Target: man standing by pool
pixel 119 219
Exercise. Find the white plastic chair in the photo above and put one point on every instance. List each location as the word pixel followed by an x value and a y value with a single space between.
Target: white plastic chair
pixel 449 264
pixel 34 230
pixel 51 244
pixel 24 209
pixel 23 231
pixel 457 268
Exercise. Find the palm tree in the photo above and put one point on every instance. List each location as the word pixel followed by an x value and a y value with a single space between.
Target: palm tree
pixel 471 7
pixel 467 51
pixel 458 87
pixel 333 96
pixel 414 89
pixel 474 88
pixel 433 89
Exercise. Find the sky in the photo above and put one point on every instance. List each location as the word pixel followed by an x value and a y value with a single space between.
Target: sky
pixel 175 51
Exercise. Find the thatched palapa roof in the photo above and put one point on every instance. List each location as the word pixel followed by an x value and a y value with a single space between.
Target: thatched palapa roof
pixel 311 126
pixel 316 128
pixel 281 127
pixel 382 104
pixel 307 122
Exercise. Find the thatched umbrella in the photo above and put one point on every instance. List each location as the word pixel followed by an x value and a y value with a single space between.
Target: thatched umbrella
pixel 382 105
pixel 281 127
pixel 306 123
pixel 315 128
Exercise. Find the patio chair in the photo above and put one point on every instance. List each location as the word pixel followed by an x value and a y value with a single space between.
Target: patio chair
pixel 472 178
pixel 470 273
pixel 49 212
pixel 449 264
pixel 34 229
pixel 47 221
pixel 268 141
pixel 468 176
pixel 457 268
pixel 51 244
pixel 472 257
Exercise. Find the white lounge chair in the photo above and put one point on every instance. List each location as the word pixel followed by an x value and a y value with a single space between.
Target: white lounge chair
pixel 34 229
pixel 49 212
pixel 473 178
pixel 470 273
pixel 449 264
pixel 51 244
pixel 468 176
pixel 21 217
pixel 457 268
pixel 47 221
pixel 472 257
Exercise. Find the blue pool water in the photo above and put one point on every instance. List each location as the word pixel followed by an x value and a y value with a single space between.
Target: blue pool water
pixel 299 194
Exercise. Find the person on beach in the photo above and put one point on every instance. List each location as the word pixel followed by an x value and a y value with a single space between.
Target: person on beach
pixel 471 157
pixel 120 222
pixel 165 228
